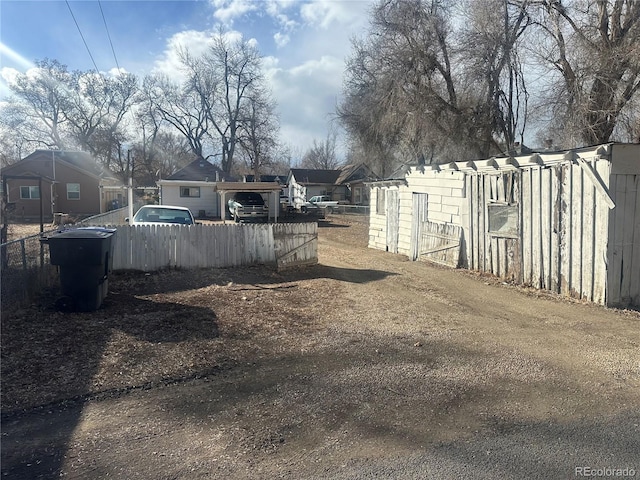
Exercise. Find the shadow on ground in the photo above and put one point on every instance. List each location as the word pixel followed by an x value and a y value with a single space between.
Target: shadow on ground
pixel 67 349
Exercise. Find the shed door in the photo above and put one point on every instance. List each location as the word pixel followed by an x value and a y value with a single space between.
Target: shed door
pixel 393 214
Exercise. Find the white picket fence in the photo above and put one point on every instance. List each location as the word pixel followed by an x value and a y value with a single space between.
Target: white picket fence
pixel 157 247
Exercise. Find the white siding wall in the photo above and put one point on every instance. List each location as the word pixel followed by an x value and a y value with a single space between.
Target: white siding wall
pixel 446 192
pixel 208 200
pixel 378 222
pixel 577 230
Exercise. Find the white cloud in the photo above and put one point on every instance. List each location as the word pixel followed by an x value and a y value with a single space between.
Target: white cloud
pixel 116 72
pixel 228 10
pixel 328 67
pixel 306 96
pixel 324 13
pixel 277 9
pixel 281 39
pixel 195 42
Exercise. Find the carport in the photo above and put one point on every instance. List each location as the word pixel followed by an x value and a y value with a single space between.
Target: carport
pixel 259 187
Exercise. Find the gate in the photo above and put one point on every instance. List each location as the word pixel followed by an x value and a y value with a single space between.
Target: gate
pixel 295 244
pixel 440 243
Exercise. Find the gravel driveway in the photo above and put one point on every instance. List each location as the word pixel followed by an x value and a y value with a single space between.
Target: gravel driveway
pixel 364 366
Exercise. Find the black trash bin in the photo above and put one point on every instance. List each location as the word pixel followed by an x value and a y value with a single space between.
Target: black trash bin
pixel 84 256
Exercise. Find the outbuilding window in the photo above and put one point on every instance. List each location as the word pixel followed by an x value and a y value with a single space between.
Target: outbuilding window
pixel 191 192
pixel 503 220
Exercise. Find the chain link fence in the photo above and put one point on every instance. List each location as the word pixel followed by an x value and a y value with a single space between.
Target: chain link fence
pixel 25 270
pixel 25 266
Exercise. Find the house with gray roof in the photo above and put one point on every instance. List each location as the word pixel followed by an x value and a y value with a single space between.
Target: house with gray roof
pixel 49 182
pixel 346 184
pixel 194 187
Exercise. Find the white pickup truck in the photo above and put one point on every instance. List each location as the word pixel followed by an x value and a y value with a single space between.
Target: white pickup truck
pixel 324 201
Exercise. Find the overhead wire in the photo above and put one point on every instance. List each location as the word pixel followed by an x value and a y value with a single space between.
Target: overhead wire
pixel 82 36
pixel 108 35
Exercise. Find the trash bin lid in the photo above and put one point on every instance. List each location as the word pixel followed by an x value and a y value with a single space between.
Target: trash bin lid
pixel 84 232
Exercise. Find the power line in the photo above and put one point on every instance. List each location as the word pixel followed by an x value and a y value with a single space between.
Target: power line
pixel 82 36
pixel 109 35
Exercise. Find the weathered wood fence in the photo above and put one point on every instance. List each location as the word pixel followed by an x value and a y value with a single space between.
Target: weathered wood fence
pixel 157 247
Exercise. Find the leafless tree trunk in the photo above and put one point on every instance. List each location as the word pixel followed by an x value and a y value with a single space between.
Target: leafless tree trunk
pixel 595 47
pixel 422 87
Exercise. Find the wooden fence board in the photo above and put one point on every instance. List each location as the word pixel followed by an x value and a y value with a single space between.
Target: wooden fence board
pixel 537 234
pixel 587 234
pixel 156 247
pixel 555 220
pixel 629 270
pixel 440 243
pixel 577 213
pixel 601 227
pixel 565 230
pixel 526 227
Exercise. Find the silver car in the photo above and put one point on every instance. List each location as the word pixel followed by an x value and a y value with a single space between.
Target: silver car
pixel 162 214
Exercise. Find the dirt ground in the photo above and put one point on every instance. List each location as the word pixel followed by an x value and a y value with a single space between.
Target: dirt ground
pixel 364 366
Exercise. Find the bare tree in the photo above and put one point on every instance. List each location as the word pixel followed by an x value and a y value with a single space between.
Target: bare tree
pixel 217 96
pixel 424 87
pixel 322 155
pixel 259 134
pixel 489 50
pixel 241 64
pixel 44 95
pixel 181 107
pixel 99 108
pixel 594 46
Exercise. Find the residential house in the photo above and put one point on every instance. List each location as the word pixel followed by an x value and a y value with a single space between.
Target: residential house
pixel 355 178
pixel 48 182
pixel 194 187
pixel 347 184
pixel 563 221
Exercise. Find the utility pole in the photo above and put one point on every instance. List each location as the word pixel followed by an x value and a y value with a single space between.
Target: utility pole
pixel 130 164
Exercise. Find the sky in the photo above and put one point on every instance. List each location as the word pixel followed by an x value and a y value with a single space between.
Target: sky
pixel 304 44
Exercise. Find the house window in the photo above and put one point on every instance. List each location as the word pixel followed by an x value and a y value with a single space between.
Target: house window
pixel 190 192
pixel 27 193
pixel 380 202
pixel 73 191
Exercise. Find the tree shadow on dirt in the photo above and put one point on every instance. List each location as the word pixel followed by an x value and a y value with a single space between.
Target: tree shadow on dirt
pixel 44 350
pixel 513 450
pixel 314 397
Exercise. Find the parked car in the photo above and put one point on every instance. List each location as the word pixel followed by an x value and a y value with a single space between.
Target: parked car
pixel 248 206
pixel 162 214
